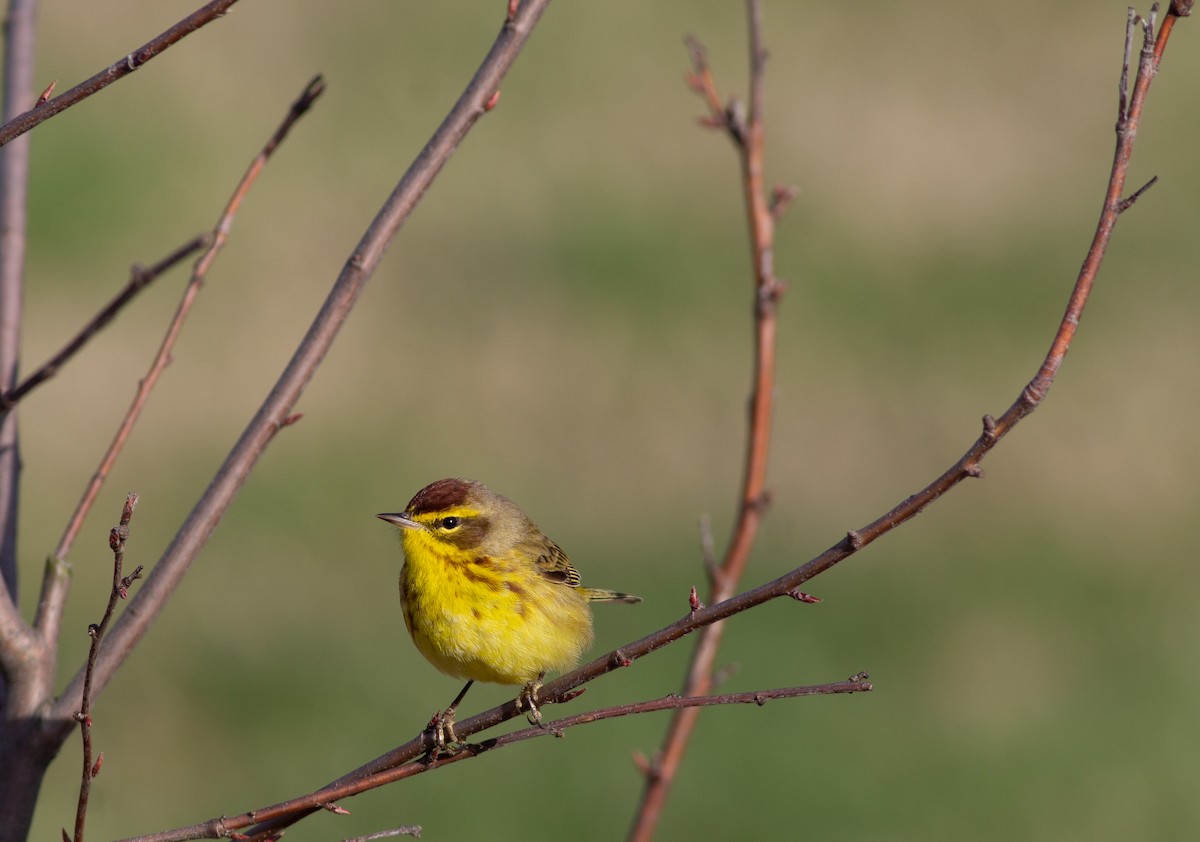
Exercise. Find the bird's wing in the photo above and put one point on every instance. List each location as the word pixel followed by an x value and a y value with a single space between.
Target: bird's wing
pixel 553 564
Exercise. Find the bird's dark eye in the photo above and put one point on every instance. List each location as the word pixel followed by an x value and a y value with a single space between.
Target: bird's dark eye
pixel 450 522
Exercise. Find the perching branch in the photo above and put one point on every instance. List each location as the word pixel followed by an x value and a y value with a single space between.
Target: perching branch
pixel 415 758
pixel 45 109
pixel 401 762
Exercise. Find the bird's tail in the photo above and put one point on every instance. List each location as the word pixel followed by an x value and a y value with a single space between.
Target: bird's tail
pixel 602 595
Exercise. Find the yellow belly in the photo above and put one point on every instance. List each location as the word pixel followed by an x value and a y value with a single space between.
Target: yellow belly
pixel 487 620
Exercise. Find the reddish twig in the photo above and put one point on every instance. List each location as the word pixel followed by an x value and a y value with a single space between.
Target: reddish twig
pixel 787 585
pixel 219 236
pixel 762 209
pixel 41 735
pixel 120 590
pixel 45 109
pixel 140 277
pixel 414 758
pixel 747 139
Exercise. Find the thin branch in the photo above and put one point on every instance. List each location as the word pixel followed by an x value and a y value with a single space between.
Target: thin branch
pixel 42 111
pixel 413 830
pixel 140 277
pixel 120 590
pixel 697 618
pixel 54 588
pixel 762 210
pixel 276 409
pixel 1129 114
pixel 414 758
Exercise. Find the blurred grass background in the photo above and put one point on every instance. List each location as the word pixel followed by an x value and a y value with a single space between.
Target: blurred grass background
pixel 567 318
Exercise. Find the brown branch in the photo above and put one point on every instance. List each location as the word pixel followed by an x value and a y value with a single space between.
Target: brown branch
pixel 120 590
pixel 25 676
pixel 761 209
pixel 1129 116
pixel 122 67
pixel 140 277
pixel 414 758
pixel 36 738
pixel 701 616
pixel 55 587
pixel 405 830
pixel 276 408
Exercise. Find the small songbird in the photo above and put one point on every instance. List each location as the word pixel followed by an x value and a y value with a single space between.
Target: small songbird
pixel 486 596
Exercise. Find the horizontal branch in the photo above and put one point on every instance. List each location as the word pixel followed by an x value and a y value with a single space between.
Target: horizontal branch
pixel 265 820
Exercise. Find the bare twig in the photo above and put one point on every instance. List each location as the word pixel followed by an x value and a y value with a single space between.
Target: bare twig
pixel 220 235
pixel 413 830
pixel 120 590
pixel 44 110
pixel 140 277
pixel 698 618
pixel 762 209
pixel 52 726
pixel 1129 114
pixel 414 758
pixel 277 407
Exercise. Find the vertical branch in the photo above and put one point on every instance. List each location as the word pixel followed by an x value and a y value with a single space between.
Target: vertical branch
pixel 19 31
pixel 24 677
pixel 120 590
pixel 748 136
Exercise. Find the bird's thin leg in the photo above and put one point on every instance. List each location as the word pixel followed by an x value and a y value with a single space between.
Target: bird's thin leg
pixel 443 721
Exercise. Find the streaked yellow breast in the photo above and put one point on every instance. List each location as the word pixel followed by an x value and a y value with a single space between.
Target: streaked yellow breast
pixel 477 617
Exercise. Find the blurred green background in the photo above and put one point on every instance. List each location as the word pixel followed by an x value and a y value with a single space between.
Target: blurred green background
pixel 567 318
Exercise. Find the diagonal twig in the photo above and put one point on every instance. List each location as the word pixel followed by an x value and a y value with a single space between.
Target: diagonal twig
pixel 271 819
pixel 1129 115
pixel 45 109
pixel 276 409
pixel 54 587
pixel 140 277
